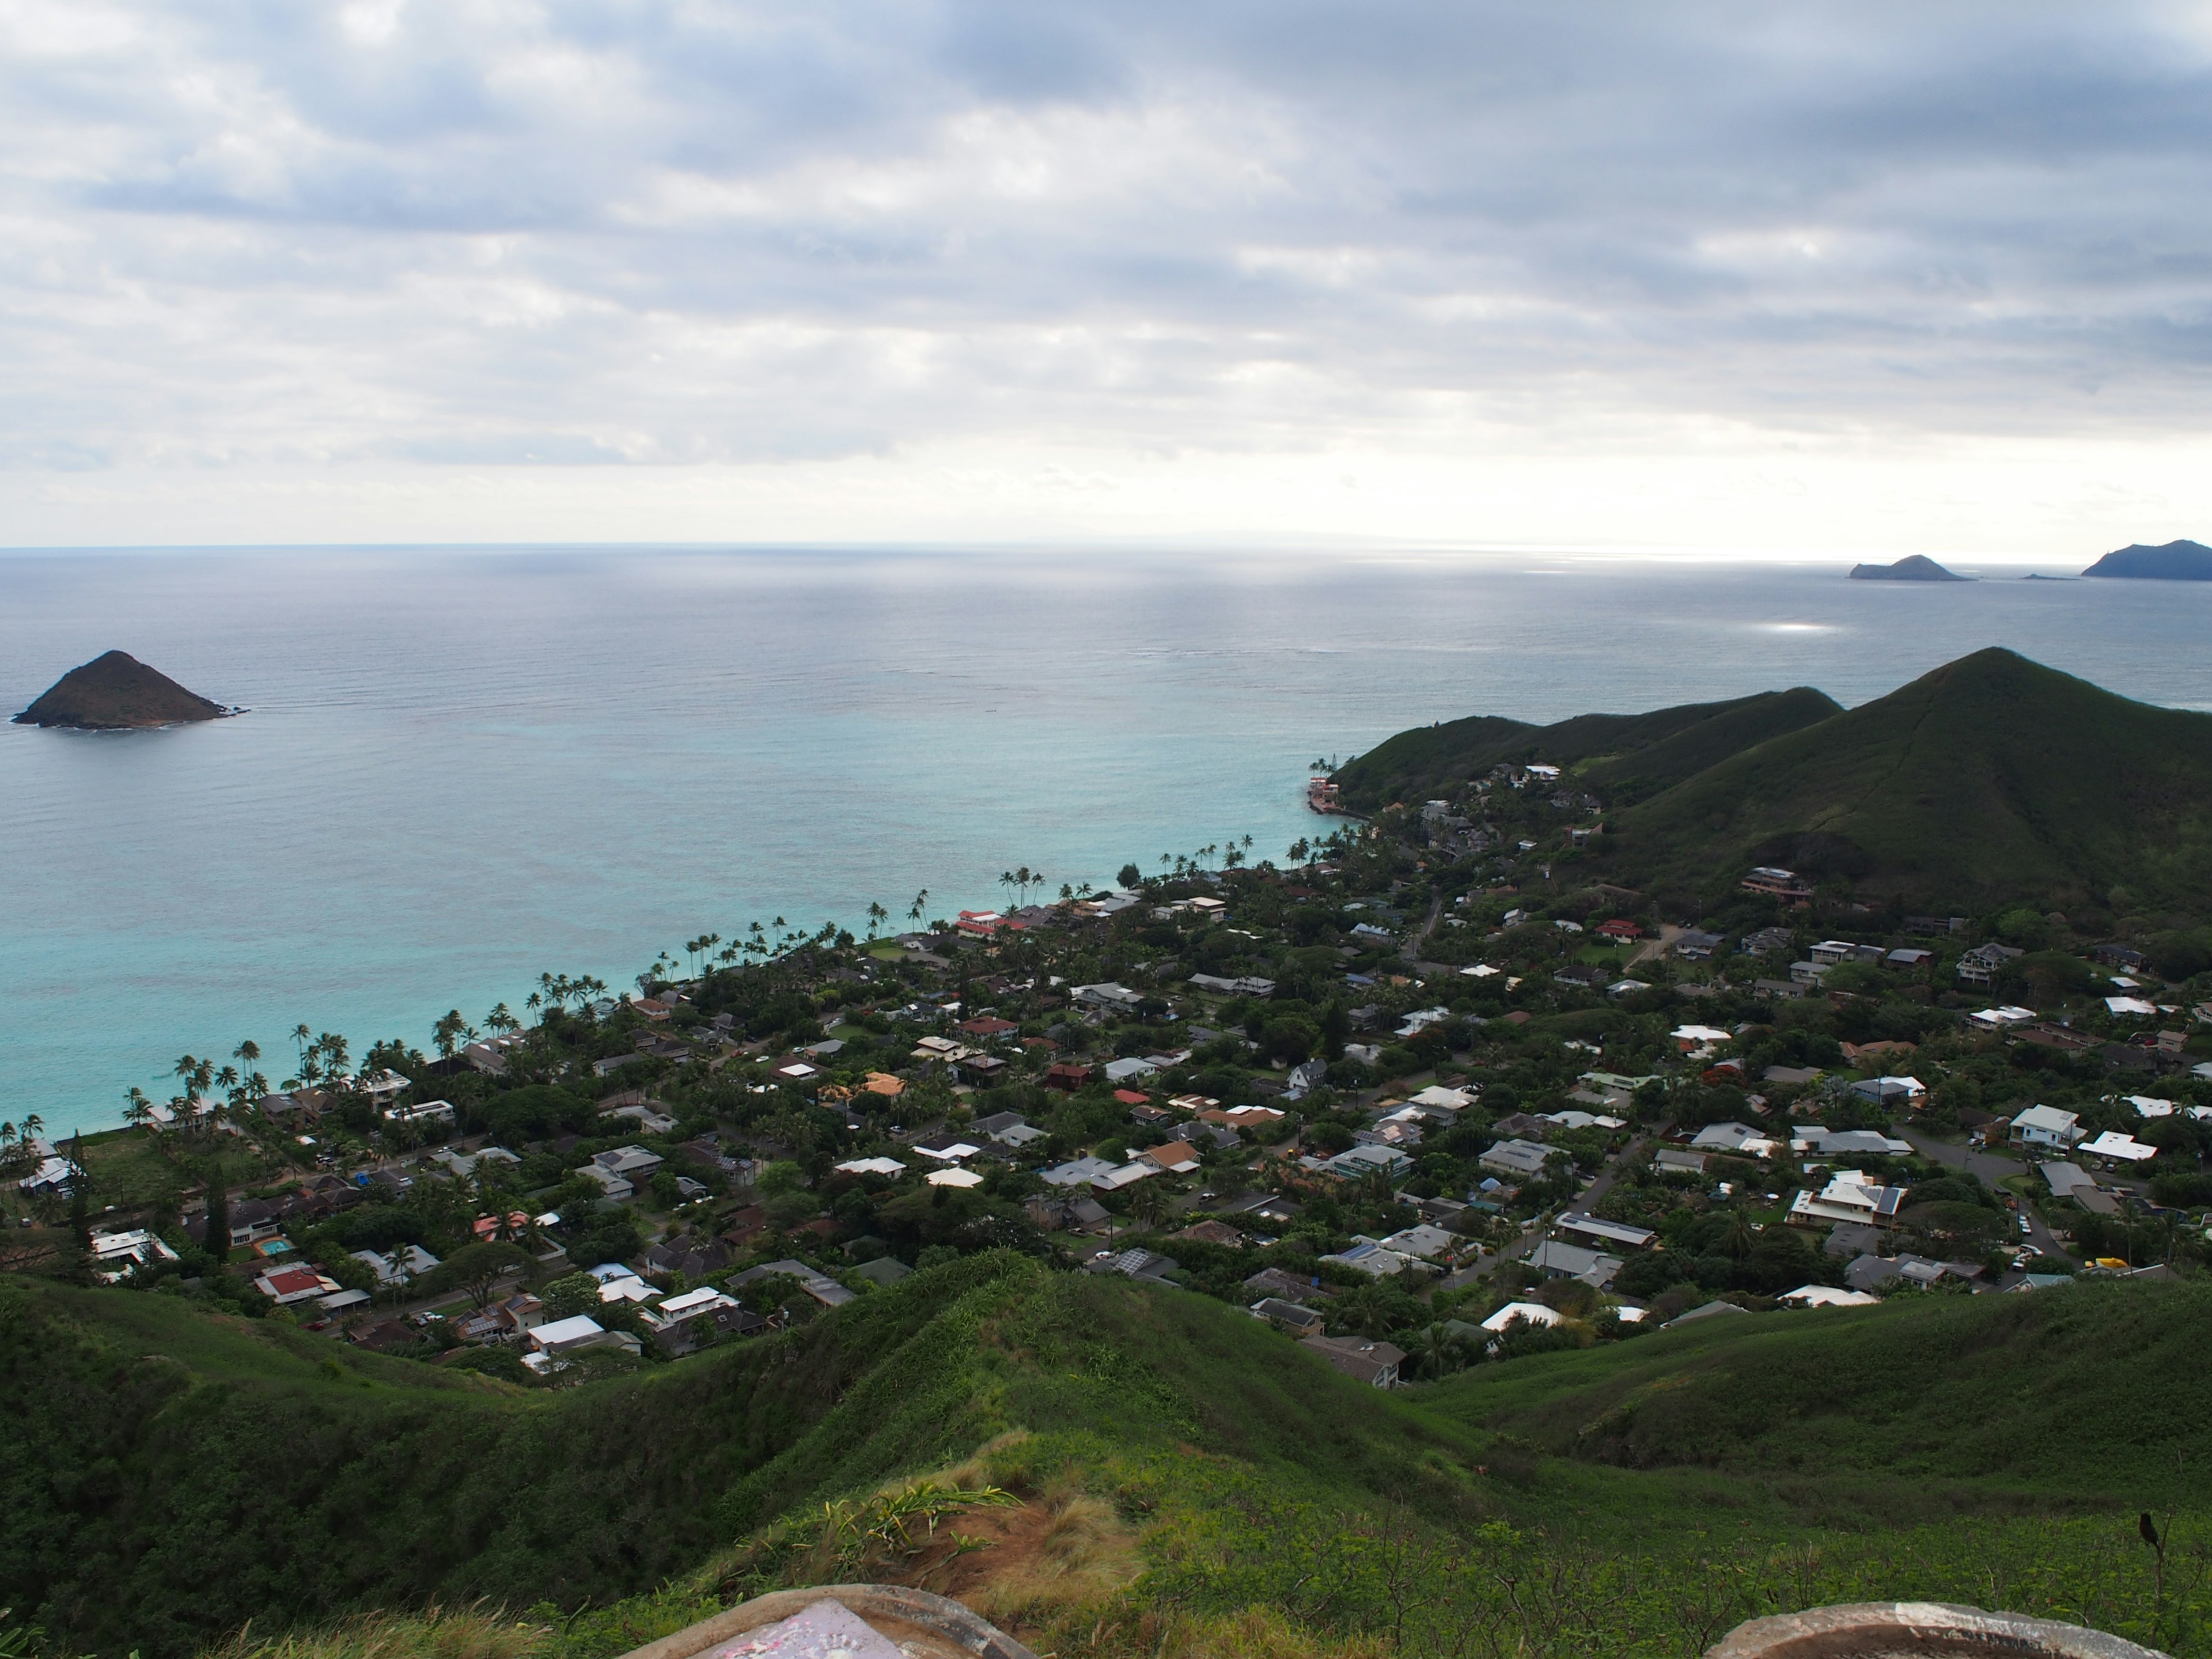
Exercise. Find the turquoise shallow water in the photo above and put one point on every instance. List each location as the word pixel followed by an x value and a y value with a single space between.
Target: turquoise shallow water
pixel 464 768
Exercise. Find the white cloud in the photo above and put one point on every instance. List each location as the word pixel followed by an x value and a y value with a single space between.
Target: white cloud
pixel 1525 274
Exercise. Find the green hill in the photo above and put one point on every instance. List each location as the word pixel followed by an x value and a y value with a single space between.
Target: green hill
pixel 1992 779
pixel 2086 1396
pixel 1187 1479
pixel 1635 753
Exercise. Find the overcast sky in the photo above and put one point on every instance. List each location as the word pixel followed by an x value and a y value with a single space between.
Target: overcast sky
pixel 1775 277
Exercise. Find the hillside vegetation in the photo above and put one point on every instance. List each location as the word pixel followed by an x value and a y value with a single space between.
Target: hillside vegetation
pixel 1639 754
pixel 1990 780
pixel 1185 1478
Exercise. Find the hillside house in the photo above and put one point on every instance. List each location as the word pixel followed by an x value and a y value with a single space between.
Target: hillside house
pixel 1373 1363
pixel 2045 1126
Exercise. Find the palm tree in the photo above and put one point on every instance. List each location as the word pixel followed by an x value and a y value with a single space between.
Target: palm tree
pixel 877 917
pixel 136 1112
pixel 921 905
pixel 501 1019
pixel 1739 1238
pixel 535 1005
pixel 446 1032
pixel 301 1037
pixel 1148 1204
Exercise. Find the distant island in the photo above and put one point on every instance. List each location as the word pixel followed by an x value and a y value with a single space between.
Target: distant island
pixel 2176 562
pixel 1913 567
pixel 116 692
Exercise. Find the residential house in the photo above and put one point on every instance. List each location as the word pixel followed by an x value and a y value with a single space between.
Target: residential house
pixel 562 1337
pixel 1368 1256
pixel 819 1286
pixel 1608 1233
pixel 1299 1321
pixel 1775 883
pixel 1981 965
pixel 1526 1315
pixel 1177 1157
pixel 2118 1148
pixel 1518 1159
pixel 1363 1161
pixel 1849 1196
pixel 1555 1260
pixel 1423 1241
pixel 1825 1296
pixel 115 1255
pixel 1373 1363
pixel 2045 1126
pixel 397 1267
pixel 679 1322
pixel 1693 946
pixel 1737 1138
pixel 1813 1141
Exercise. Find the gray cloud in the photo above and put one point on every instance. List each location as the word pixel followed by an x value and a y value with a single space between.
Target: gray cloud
pixel 571 233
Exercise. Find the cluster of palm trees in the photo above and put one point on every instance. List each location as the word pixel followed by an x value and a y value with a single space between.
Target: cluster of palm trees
pixel 1231 855
pixel 1019 882
pixel 242 1086
pixel 558 990
pixel 19 1146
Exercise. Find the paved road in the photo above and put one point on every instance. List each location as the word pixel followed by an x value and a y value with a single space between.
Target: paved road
pixel 1595 1189
pixel 1411 950
pixel 1992 1168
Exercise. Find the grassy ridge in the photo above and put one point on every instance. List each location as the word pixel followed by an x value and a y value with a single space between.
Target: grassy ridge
pixel 171 1475
pixel 2087 1397
pixel 1633 754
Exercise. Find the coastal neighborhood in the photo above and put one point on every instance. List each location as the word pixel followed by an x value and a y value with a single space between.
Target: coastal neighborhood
pixel 1409 1095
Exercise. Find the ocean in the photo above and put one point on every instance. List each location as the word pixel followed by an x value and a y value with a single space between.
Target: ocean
pixel 464 768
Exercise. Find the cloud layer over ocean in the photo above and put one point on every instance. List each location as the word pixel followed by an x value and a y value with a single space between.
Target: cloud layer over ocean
pixel 1032 252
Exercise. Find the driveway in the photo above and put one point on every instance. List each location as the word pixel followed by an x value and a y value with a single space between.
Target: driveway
pixel 1992 1168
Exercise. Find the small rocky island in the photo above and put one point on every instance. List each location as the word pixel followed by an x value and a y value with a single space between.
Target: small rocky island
pixel 116 692
pixel 1913 567
pixel 2174 562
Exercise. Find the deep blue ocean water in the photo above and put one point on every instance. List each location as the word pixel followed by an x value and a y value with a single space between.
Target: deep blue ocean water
pixel 464 768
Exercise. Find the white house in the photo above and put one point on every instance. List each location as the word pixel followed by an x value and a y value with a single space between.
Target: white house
pixel 1827 1296
pixel 1520 1313
pixel 574 1335
pixel 2045 1126
pixel 1849 1196
pixel 2120 1148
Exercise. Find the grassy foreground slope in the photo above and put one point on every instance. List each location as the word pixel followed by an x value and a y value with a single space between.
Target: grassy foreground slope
pixel 1186 1479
